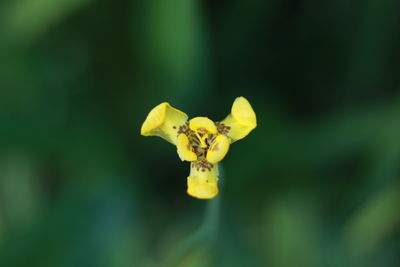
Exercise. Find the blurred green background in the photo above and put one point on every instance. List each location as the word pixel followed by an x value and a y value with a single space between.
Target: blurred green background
pixel 315 184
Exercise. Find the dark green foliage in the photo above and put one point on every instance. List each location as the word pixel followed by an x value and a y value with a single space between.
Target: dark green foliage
pixel 315 184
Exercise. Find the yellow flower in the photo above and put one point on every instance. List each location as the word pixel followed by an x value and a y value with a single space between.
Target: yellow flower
pixel 200 140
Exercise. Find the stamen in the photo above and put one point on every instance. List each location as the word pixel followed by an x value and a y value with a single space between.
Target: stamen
pixel 202 139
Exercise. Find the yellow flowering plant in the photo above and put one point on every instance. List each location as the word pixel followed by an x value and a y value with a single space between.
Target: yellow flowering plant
pixel 200 140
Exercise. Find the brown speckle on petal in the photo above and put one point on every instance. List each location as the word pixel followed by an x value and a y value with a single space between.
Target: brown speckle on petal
pixel 215 147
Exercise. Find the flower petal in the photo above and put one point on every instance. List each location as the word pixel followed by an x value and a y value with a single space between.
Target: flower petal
pixel 202 125
pixel 184 149
pixel 240 122
pixel 203 182
pixel 164 121
pixel 218 149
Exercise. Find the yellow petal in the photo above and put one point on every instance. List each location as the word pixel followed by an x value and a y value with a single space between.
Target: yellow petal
pixel 203 182
pixel 202 125
pixel 240 122
pixel 218 149
pixel 184 149
pixel 164 121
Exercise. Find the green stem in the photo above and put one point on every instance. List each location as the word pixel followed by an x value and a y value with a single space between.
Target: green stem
pixel 206 233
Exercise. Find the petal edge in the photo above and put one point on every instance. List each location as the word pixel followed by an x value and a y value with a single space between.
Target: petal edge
pixel 164 121
pixel 241 121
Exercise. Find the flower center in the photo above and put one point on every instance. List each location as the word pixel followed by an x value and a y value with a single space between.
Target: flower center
pixel 202 137
pixel 202 127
